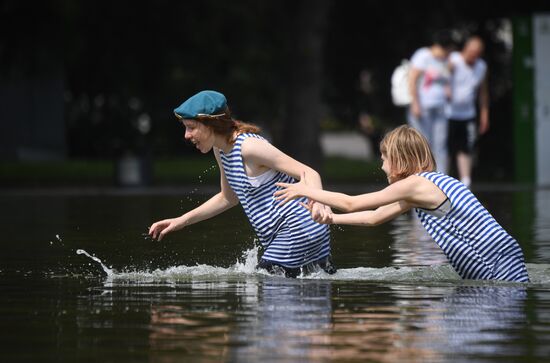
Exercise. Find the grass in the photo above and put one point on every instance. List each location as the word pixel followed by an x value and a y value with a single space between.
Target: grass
pixel 184 170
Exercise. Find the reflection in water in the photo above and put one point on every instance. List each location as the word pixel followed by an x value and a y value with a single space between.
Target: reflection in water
pixel 412 245
pixel 541 228
pixel 275 317
pixel 476 321
pixel 319 320
pixel 292 319
pixel 418 327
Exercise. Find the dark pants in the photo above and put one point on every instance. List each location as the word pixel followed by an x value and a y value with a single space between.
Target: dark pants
pixel 324 264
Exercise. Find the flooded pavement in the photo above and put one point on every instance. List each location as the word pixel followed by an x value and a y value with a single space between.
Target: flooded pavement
pixel 81 281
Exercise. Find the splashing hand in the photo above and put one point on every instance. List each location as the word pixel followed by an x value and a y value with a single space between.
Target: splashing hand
pixel 159 229
pixel 291 191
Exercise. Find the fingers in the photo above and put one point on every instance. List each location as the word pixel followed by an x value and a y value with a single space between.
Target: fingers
pixel 284 199
pixel 279 192
pixel 283 196
pixel 316 213
pixel 323 214
pixel 286 194
pixel 152 228
pixel 163 233
pixel 325 217
pixel 159 229
pixel 282 185
pixel 282 192
pixel 306 206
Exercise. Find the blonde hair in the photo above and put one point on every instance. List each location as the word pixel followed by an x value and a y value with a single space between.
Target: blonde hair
pixel 223 124
pixel 407 152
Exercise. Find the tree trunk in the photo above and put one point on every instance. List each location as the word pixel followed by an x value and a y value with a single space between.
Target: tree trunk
pixel 303 107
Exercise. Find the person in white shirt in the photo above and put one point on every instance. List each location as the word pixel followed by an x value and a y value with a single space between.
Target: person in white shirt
pixel 468 85
pixel 429 85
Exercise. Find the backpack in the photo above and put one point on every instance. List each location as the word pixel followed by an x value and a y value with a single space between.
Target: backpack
pixel 400 84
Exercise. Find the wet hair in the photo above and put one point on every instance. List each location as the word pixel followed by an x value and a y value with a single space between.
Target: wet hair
pixel 444 38
pixel 407 152
pixel 224 124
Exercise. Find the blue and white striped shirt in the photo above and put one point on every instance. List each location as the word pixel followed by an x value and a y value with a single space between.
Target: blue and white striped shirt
pixel 290 237
pixel 475 244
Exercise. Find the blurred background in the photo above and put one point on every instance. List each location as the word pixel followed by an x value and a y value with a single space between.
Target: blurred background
pixel 87 88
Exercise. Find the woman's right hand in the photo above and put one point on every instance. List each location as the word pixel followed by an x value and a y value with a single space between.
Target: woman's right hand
pixel 159 229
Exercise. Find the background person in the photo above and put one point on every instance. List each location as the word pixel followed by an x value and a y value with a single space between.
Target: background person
pixel 429 85
pixel 469 83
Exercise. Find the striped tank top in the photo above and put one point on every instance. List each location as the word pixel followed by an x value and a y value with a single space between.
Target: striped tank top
pixel 287 232
pixel 475 244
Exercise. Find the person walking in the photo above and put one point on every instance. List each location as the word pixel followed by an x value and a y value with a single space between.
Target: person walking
pixel 429 85
pixel 468 85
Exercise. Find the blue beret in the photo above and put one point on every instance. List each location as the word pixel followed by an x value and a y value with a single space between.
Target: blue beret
pixel 203 103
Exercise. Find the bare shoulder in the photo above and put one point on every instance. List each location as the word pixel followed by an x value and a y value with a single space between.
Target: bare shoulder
pixel 419 183
pixel 253 147
pixel 411 182
pixel 426 193
pixel 415 189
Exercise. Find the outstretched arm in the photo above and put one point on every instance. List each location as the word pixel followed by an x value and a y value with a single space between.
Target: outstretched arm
pixel 219 203
pixel 401 190
pixel 370 217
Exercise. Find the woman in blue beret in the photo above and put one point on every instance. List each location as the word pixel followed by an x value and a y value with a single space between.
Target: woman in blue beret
pixel 250 167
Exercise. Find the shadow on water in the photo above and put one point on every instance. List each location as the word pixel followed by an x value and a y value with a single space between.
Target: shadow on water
pixel 196 297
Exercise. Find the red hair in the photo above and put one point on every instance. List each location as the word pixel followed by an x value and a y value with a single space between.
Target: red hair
pixel 223 124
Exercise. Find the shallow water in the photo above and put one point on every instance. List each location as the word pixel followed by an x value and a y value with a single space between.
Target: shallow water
pixel 196 296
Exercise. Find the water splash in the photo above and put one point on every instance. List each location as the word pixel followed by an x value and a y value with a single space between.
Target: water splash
pixel 107 270
pixel 246 266
pixel 250 260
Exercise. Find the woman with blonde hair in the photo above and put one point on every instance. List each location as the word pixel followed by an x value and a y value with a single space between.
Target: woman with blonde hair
pixel 475 244
pixel 249 169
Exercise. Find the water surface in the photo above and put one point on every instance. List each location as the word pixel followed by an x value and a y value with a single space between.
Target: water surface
pixel 196 296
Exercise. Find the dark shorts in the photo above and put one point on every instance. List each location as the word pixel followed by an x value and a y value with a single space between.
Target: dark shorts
pixel 462 136
pixel 324 264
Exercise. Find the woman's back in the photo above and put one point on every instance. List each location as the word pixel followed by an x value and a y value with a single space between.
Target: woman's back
pixel 475 244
